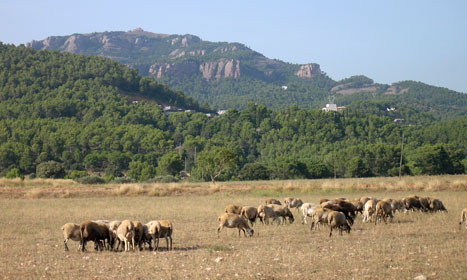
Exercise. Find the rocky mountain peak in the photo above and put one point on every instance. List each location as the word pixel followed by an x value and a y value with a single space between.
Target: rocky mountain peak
pixel 308 70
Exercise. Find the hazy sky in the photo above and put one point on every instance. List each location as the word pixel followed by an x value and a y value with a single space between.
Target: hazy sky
pixel 388 41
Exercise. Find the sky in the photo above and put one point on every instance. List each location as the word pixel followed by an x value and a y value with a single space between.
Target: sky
pixel 388 41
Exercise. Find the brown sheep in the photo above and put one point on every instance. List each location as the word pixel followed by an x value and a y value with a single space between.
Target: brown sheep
pixel 234 221
pixel 92 231
pixel 319 216
pixel 413 203
pixel 272 201
pixel 436 205
pixel 463 218
pixel 336 207
pixel 139 234
pixel 282 211
pixel 126 234
pixel 113 226
pixel 337 220
pixel 265 212
pixel 70 231
pixel 293 202
pixel 322 200
pixel 162 228
pixel 234 209
pixel 250 213
pixel 383 210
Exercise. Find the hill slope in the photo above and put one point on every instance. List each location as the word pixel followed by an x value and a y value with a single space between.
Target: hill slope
pixel 229 75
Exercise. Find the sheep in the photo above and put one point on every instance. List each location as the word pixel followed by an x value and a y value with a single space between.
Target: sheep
pixel 70 231
pixel 139 234
pixel 293 202
pixel 234 221
pixel 126 234
pixel 369 210
pixel 336 207
pixel 463 218
pixel 265 212
pixel 307 211
pixel 113 226
pixel 92 231
pixel 358 205
pixel 383 210
pixel 397 205
pixel 319 216
pixel 148 237
pixel 282 211
pixel 272 201
pixel 425 201
pixel 436 205
pixel 323 200
pixel 348 206
pixel 337 220
pixel 234 209
pixel 250 213
pixel 413 203
pixel 162 228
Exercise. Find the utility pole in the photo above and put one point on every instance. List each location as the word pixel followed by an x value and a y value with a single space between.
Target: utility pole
pixel 402 156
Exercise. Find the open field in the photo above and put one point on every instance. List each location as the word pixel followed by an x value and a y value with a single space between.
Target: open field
pixel 31 243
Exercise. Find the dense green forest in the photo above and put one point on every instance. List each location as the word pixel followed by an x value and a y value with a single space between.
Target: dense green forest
pixel 68 115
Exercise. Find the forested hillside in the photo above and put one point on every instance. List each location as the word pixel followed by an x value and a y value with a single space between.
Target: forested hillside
pixel 231 75
pixel 70 115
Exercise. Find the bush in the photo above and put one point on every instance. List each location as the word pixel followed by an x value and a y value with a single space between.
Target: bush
pixel 163 179
pixel 50 169
pixel 14 173
pixel 91 180
pixel 123 180
pixel 76 174
pixel 254 171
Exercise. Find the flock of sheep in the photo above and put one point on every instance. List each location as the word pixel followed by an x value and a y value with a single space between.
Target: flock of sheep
pixel 113 235
pixel 338 214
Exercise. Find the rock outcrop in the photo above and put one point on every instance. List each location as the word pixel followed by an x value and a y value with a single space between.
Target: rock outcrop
pixel 222 68
pixel 308 71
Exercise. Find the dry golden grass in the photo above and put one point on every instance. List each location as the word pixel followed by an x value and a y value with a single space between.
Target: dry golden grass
pixel 31 243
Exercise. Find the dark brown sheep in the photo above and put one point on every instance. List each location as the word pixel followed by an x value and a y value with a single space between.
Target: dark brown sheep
pixel 96 232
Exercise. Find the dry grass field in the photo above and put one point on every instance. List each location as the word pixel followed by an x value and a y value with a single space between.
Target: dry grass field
pixel 31 243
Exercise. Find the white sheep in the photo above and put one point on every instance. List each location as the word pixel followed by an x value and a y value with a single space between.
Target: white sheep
pixel 369 210
pixel 307 211
pixel 126 234
pixel 162 228
pixel 463 218
pixel 71 231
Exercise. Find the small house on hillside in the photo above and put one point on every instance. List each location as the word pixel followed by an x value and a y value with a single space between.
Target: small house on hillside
pixel 333 107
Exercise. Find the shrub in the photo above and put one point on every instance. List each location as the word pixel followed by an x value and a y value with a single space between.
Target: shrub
pixel 14 173
pixel 91 180
pixel 163 179
pixel 76 174
pixel 50 169
pixel 123 180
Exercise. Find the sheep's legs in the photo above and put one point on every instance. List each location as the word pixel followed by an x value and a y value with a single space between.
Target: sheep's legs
pixel 66 244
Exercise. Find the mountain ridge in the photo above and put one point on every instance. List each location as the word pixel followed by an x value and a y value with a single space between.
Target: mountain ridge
pixel 229 75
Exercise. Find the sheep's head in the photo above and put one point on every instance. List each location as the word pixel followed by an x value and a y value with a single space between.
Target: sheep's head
pixel 250 231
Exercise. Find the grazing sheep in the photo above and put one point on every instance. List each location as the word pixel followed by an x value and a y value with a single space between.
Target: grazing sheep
pixel 70 231
pixel 337 220
pixel 307 211
pixel 272 201
pixel 234 221
pixel 162 228
pixel 319 216
pixel 336 207
pixel 126 234
pixel 398 205
pixel 383 210
pixel 463 218
pixel 250 213
pixel 348 206
pixel 234 209
pixel 323 200
pixel 282 211
pixel 413 203
pixel 92 231
pixel 369 210
pixel 293 202
pixel 148 237
pixel 265 212
pixel 436 205
pixel 358 205
pixel 364 199
pixel 113 226
pixel 139 234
